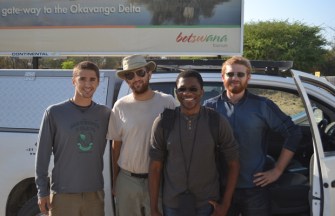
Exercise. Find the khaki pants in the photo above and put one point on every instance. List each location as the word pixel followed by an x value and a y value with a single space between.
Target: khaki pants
pixel 77 204
pixel 132 195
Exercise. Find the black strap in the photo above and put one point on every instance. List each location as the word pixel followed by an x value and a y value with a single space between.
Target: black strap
pixel 168 117
pixel 221 163
pixel 214 124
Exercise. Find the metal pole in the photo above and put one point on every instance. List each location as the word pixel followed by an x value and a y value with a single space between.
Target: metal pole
pixel 35 62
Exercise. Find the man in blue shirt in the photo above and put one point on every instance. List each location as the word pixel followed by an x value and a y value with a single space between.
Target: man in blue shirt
pixel 251 117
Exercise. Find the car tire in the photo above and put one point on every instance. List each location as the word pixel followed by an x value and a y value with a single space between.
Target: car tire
pixel 30 208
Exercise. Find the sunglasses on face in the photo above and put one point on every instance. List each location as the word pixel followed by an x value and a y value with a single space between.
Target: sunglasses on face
pixel 131 75
pixel 184 89
pixel 238 74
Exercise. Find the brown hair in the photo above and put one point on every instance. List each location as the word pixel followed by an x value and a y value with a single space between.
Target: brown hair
pixel 86 65
pixel 236 60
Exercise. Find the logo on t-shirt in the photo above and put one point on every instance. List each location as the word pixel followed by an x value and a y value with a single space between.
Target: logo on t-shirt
pixel 85 143
pixel 84 135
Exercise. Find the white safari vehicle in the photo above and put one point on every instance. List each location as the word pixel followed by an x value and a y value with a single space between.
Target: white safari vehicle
pixel 25 94
pixel 306 188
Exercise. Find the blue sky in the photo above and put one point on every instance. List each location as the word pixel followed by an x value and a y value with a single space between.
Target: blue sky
pixel 314 13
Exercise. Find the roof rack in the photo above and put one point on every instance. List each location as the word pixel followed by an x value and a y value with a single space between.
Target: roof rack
pixel 269 67
pixel 273 66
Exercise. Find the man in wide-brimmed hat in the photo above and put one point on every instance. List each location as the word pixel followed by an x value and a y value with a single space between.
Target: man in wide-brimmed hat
pixel 133 63
pixel 130 129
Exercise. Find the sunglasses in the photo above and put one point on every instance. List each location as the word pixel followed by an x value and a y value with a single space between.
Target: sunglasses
pixel 184 89
pixel 131 75
pixel 238 74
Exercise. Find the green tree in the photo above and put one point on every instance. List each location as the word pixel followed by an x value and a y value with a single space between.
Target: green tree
pixel 328 67
pixel 284 41
pixel 69 64
pixel 14 63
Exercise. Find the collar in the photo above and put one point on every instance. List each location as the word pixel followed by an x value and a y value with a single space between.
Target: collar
pixel 82 107
pixel 226 99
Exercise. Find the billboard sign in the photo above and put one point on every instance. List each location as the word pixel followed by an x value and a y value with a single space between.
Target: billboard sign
pixel 120 27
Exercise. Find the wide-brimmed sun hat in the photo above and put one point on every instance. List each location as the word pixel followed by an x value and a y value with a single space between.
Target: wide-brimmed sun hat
pixel 134 62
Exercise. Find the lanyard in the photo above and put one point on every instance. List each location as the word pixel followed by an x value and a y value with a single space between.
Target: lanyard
pixel 187 166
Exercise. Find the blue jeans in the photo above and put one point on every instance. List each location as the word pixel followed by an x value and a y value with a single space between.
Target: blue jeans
pixel 206 210
pixel 250 202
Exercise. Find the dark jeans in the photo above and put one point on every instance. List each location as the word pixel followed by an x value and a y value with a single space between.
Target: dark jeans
pixel 206 210
pixel 250 202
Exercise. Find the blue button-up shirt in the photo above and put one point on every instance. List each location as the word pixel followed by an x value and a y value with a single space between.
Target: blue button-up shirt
pixel 251 119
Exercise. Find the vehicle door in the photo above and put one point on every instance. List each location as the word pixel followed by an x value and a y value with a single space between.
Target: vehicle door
pixel 322 171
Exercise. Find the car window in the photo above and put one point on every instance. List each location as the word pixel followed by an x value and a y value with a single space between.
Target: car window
pixel 289 103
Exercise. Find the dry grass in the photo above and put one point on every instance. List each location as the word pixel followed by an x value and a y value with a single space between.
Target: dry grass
pixel 288 103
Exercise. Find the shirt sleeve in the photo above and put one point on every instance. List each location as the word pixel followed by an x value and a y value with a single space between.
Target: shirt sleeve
pixel 114 129
pixel 172 102
pixel 279 122
pixel 43 154
pixel 157 143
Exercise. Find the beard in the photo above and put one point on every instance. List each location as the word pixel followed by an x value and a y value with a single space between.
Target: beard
pixel 140 89
pixel 236 89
